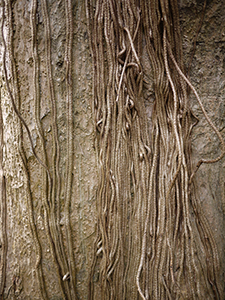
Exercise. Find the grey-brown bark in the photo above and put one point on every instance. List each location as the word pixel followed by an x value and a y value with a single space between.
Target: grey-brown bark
pixel 51 220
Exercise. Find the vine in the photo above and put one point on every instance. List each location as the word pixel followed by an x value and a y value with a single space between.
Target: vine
pixel 69 85
pixel 16 97
pixel 51 201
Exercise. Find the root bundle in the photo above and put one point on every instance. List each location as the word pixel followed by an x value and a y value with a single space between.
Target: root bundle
pixel 146 229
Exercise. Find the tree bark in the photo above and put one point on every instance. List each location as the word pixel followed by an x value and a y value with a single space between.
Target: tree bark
pixel 49 163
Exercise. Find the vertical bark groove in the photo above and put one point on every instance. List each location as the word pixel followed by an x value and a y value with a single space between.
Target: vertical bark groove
pixel 3 208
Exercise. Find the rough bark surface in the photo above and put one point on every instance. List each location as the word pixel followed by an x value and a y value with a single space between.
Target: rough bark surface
pixel 207 73
pixel 24 233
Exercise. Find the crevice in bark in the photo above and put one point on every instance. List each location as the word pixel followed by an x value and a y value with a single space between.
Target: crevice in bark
pixel 3 211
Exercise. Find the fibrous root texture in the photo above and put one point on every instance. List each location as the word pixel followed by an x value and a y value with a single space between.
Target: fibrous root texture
pixel 153 240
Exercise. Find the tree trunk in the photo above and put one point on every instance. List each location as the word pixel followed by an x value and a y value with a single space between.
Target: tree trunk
pixel 56 239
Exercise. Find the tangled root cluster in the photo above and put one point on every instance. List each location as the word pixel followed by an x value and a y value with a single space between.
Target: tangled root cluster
pixel 146 233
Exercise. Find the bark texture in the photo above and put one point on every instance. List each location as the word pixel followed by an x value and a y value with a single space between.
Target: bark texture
pixel 49 154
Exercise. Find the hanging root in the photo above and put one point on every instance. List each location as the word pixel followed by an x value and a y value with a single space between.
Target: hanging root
pixel 146 234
